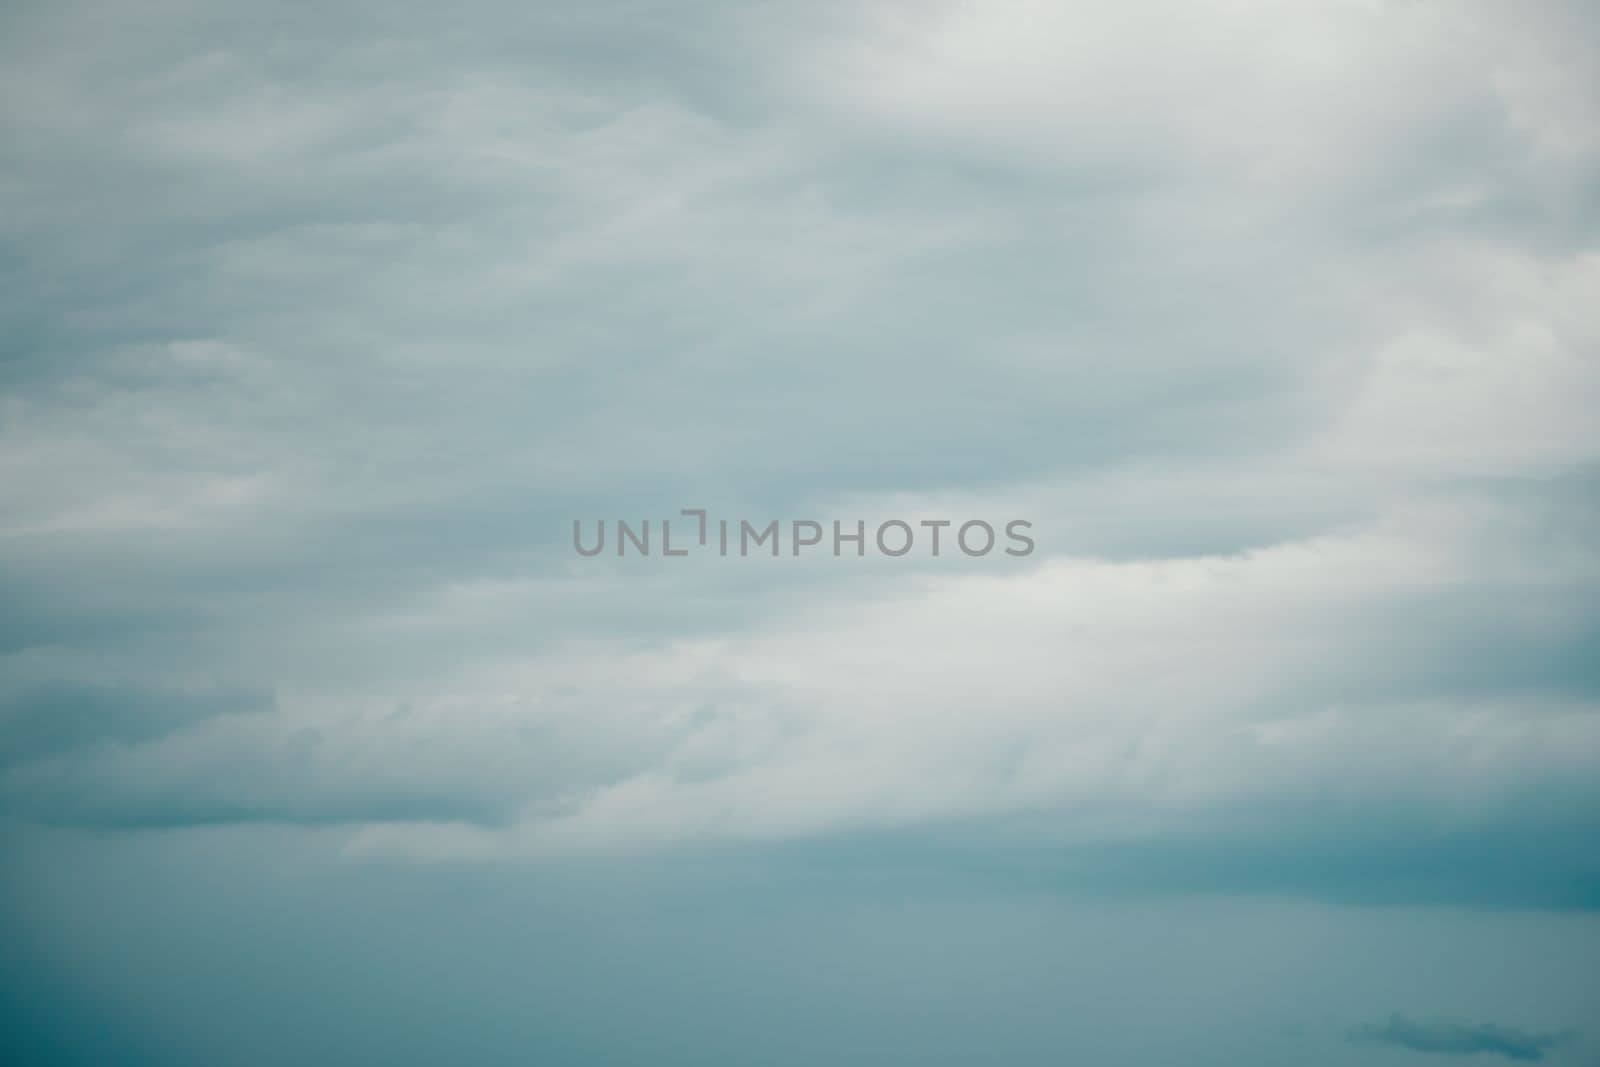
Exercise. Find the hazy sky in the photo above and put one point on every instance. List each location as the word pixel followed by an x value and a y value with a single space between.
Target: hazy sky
pixel 1280 321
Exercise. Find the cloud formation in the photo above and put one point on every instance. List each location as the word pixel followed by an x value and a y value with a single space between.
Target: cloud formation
pixel 1459 1039
pixel 1276 320
pixel 320 324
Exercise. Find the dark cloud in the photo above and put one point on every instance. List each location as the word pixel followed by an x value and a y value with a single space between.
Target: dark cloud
pixel 1380 858
pixel 1460 1039
pixel 54 718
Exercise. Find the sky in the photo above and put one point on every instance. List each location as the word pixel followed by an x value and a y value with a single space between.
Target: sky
pixel 320 326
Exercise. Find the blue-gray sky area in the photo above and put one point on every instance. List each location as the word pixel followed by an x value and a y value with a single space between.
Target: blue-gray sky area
pixel 321 324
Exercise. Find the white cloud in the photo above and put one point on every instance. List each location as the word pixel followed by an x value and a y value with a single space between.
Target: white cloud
pixel 1275 318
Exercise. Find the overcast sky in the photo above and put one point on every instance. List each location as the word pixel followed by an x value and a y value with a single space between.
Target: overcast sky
pixel 320 325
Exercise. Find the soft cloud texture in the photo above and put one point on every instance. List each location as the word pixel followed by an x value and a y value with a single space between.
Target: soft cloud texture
pixel 1278 319
pixel 1457 1039
pixel 1296 384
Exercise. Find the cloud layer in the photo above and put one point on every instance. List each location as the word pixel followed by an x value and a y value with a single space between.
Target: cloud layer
pixel 1277 320
pixel 1458 1039
pixel 319 326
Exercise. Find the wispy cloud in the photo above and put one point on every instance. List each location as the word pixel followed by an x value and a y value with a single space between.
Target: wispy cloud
pixel 1460 1039
pixel 320 324
pixel 317 349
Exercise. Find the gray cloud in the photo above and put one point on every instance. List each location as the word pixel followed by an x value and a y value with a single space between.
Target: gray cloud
pixel 319 326
pixel 315 349
pixel 51 719
pixel 1460 1039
